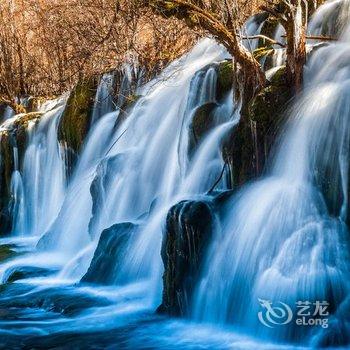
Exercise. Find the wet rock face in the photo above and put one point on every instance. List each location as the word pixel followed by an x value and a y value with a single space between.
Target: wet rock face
pixel 107 258
pixel 75 121
pixel 6 168
pixel 187 235
pixel 266 112
pixel 225 78
pixel 247 147
pixel 202 122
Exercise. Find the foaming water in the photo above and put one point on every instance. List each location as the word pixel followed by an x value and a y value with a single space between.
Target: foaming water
pixel 39 188
pixel 284 238
pixel 124 158
pixel 130 170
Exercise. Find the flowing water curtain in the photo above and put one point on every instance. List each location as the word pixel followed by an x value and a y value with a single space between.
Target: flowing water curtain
pixel 285 238
pixel 39 185
pixel 134 191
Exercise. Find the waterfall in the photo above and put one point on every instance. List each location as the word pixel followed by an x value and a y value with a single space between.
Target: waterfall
pixel 154 136
pixel 39 187
pixel 143 164
pixel 284 237
pixel 87 247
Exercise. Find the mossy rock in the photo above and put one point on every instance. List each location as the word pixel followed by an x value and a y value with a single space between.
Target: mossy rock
pixel 202 122
pixel 238 153
pixel 109 254
pixel 14 136
pixel 267 109
pixel 6 169
pixel 247 147
pixel 271 101
pixel 19 131
pixel 75 121
pixel 225 78
pixel 6 252
pixel 28 272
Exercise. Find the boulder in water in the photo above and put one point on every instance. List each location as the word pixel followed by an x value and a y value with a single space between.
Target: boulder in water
pixel 202 122
pixel 188 232
pixel 111 247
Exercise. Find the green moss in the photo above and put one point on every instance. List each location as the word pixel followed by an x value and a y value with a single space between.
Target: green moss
pixel 225 78
pixel 247 147
pixel 6 252
pixel 267 109
pixel 75 120
pixel 271 101
pixel 203 120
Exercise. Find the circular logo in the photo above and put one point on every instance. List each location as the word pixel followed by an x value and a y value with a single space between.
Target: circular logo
pixel 273 316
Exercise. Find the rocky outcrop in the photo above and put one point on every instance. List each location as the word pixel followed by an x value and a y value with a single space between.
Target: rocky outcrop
pixel 203 121
pixel 75 121
pixel 224 79
pixel 187 235
pixel 109 252
pixel 247 147
pixel 6 168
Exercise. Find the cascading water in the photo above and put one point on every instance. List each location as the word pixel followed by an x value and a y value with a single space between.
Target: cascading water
pixel 39 188
pixel 123 158
pixel 132 184
pixel 283 239
pixel 97 265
